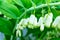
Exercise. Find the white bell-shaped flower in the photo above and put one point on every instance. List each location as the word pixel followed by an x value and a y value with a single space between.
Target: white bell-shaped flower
pixel 41 20
pixel 56 22
pixel 33 20
pixel 42 27
pixel 48 19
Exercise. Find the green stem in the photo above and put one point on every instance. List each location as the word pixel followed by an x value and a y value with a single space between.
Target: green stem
pixel 47 2
pixel 43 5
pixel 33 5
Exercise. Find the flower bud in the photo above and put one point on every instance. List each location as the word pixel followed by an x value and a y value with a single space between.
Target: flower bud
pixel 42 27
pixel 48 19
pixel 18 33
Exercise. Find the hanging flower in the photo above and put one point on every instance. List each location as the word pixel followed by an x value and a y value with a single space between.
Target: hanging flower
pixel 40 23
pixel 56 22
pixel 42 27
pixel 33 20
pixel 48 19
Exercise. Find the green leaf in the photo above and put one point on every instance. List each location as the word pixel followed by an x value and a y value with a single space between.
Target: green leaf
pixel 26 3
pixel 5 26
pixel 38 2
pixel 55 12
pixel 9 10
pixel 9 1
pixel 18 2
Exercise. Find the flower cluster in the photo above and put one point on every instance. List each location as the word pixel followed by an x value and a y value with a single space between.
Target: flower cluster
pixel 43 22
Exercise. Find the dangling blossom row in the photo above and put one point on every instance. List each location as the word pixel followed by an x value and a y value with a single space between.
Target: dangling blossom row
pixel 32 22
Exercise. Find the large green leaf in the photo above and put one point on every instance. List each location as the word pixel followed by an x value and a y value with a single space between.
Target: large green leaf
pixel 9 10
pixel 5 26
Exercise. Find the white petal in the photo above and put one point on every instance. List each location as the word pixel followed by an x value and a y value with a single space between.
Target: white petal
pixel 25 22
pixel 35 22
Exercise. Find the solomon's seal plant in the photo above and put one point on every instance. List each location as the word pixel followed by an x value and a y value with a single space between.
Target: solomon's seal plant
pixel 30 19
